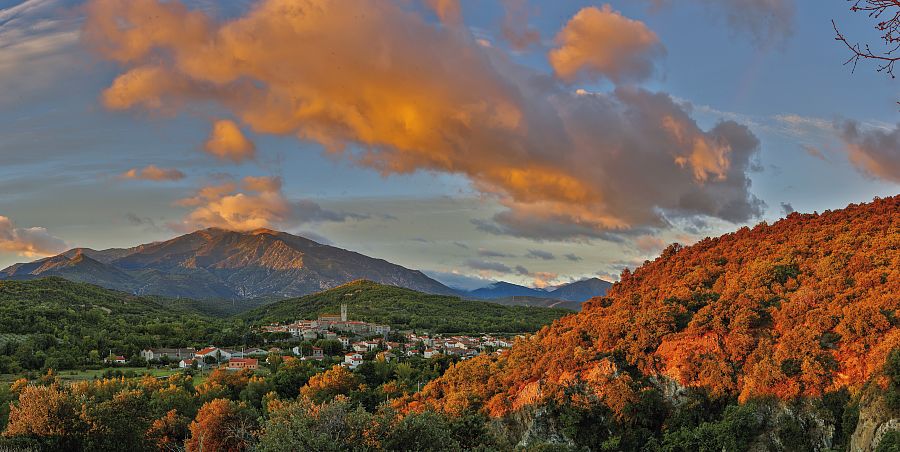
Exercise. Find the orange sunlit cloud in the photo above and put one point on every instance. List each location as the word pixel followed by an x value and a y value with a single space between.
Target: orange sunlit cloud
pixel 256 203
pixel 154 173
pixel 600 42
pixel 227 142
pixel 29 242
pixel 579 162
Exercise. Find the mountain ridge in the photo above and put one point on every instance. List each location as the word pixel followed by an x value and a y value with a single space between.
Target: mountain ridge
pixel 215 263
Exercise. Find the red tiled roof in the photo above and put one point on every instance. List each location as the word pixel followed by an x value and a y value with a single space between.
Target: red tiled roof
pixel 244 360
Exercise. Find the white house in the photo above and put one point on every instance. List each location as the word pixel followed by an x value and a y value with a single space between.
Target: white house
pixel 353 360
pixel 188 362
pixel 430 352
pixel 360 347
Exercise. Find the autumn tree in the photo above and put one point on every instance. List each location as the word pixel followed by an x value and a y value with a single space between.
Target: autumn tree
pixel 222 425
pixel 46 413
pixel 326 385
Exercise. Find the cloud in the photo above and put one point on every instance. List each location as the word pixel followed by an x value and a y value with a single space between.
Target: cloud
pixel 28 242
pixel 573 257
pixel 257 202
pixel 601 43
pixel 563 165
pixel 154 173
pixel 540 280
pixel 458 280
pixel 37 44
pixel 539 254
pixel 137 220
pixel 787 208
pixel 767 21
pixel 814 152
pixel 515 26
pixel 649 244
pixel 492 254
pixel 448 11
pixel 488 266
pixel 227 142
pixel 260 205
pixel 316 237
pixel 873 151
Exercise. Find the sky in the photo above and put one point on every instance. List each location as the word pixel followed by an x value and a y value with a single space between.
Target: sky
pixel 527 141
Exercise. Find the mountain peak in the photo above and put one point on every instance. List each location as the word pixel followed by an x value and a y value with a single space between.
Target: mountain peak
pixel 217 263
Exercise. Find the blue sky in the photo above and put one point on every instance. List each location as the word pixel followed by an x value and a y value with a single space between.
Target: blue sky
pixel 63 152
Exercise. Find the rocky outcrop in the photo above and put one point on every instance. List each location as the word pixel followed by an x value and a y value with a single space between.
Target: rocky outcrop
pixel 875 420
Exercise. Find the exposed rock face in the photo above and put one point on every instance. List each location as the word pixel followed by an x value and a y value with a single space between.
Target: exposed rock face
pixel 214 263
pixel 875 420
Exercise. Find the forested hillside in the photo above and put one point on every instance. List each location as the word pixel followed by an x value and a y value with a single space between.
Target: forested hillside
pixel 58 324
pixel 804 309
pixel 409 310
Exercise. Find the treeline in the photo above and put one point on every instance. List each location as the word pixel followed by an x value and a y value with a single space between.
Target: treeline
pixel 409 310
pixel 298 406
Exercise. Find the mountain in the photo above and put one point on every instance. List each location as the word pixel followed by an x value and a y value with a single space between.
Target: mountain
pixel 519 300
pixel 569 296
pixel 220 264
pixel 504 289
pixel 744 337
pixel 406 309
pixel 582 290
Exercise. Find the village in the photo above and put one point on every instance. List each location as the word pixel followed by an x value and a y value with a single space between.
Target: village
pixel 329 339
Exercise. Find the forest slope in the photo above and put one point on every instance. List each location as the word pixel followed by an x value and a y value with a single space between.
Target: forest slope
pixel 802 307
pixel 407 309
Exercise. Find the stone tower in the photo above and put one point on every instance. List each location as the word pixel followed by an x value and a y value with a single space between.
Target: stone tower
pixel 343 312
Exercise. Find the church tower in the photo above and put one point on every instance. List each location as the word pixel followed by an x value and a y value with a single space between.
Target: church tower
pixel 343 312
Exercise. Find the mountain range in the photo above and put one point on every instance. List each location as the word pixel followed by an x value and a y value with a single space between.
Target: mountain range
pixel 262 264
pixel 577 291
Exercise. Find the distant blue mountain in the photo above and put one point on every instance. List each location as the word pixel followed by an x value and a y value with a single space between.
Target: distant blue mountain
pixel 579 291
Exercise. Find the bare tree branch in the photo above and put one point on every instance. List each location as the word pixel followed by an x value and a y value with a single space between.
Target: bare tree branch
pixel 887 13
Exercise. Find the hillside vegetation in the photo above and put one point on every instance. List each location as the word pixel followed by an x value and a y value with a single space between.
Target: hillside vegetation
pixel 409 310
pixel 55 323
pixel 804 309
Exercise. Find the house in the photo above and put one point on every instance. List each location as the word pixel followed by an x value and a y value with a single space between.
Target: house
pixel 371 345
pixel 353 360
pixel 386 357
pixel 317 353
pixel 310 335
pixel 187 363
pixel 243 363
pixel 117 359
pixel 360 347
pixel 345 341
pixel 255 352
pixel 215 352
pixel 429 352
pixel 173 354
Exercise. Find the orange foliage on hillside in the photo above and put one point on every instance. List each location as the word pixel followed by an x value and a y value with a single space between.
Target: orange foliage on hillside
pixel 801 307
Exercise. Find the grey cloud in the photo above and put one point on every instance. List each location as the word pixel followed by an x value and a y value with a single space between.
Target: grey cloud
pixel 787 208
pixel 540 254
pixel 478 264
pixel 573 257
pixel 494 254
pixel 873 151
pixel 308 211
